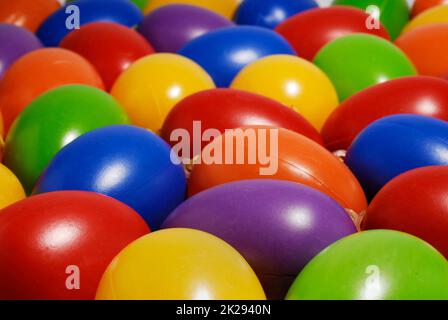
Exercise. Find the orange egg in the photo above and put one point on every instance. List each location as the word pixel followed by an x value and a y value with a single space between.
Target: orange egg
pixel 266 153
pixel 28 14
pixel 38 72
pixel 427 47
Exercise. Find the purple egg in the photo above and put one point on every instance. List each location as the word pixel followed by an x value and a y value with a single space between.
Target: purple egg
pixel 278 226
pixel 170 27
pixel 14 43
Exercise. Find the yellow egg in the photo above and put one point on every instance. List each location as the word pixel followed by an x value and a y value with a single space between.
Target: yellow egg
pixel 292 81
pixel 179 264
pixel 10 188
pixel 226 8
pixel 151 86
pixel 438 14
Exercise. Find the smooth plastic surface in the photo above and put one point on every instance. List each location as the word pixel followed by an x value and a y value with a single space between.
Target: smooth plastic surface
pixel 223 109
pixel 427 47
pixel 140 3
pixel 179 264
pixel 52 121
pixel 150 87
pixel 423 5
pixel 394 14
pixel 435 15
pixel 310 31
pixel 10 188
pixel 358 61
pixel 16 42
pixel 223 53
pixel 54 28
pixel 293 81
pixel 110 47
pixel 299 159
pixel 171 27
pixel 374 265
pixel 27 14
pixel 426 96
pixel 394 145
pixel 269 14
pixel 39 71
pixel 226 8
pixel 277 226
pixel 401 205
pixel 52 243
pixel 128 163
pixel 1 134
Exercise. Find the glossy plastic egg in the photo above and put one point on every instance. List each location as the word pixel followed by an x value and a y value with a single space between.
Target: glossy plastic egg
pixel 127 163
pixel 278 226
pixel 426 96
pixel 151 86
pixel 427 47
pixel 374 265
pixel 52 121
pixel 311 30
pixel 57 245
pixel 221 109
pixel 27 14
pixel 11 190
pixel 223 53
pixel 423 5
pixel 110 47
pixel 435 15
pixel 293 81
pixel 171 27
pixel 39 71
pixel 66 19
pixel 269 14
pixel 401 205
pixel 394 14
pixel 358 61
pixel 394 145
pixel 17 42
pixel 140 3
pixel 179 264
pixel 280 154
pixel 226 8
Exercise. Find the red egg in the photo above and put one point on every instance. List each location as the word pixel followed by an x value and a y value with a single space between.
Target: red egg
pixel 416 203
pixel 420 95
pixel 110 47
pixel 423 5
pixel 229 108
pixel 57 245
pixel 311 30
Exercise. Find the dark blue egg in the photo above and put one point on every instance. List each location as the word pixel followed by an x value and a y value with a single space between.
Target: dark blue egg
pixel 60 23
pixel 394 145
pixel 270 13
pixel 224 52
pixel 127 163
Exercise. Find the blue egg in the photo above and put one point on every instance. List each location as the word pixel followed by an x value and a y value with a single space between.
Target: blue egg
pixel 394 145
pixel 124 162
pixel 270 13
pixel 224 52
pixel 62 22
